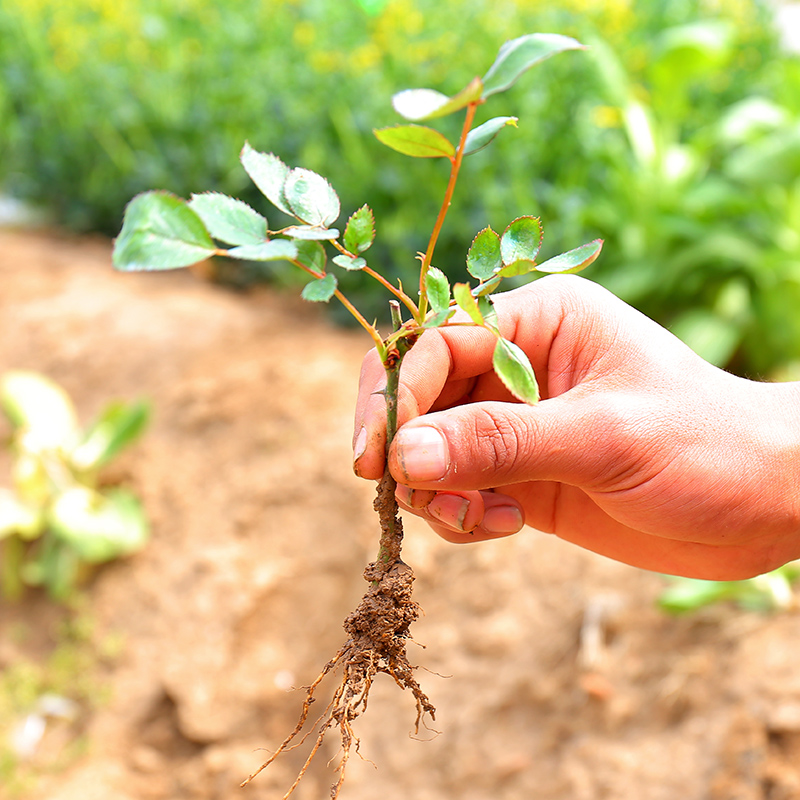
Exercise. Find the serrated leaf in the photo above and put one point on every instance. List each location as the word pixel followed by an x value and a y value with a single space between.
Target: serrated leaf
pixel 311 198
pixel 573 260
pixel 438 288
pixel 98 526
pixel 359 233
pixel 522 266
pixel 484 255
pixel 480 137
pixel 421 104
pixel 320 290
pixel 118 426
pixel 268 173
pixel 312 255
pixel 514 370
pixel 416 140
pixel 229 220
pixel 518 55
pixel 345 262
pixel 273 250
pixel 438 318
pixel 522 239
pixel 466 302
pixel 487 287
pixel 311 233
pixel 160 231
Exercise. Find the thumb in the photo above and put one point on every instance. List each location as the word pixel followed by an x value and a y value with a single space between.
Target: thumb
pixel 491 444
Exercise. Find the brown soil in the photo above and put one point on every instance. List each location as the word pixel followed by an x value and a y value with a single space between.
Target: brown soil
pixel 553 675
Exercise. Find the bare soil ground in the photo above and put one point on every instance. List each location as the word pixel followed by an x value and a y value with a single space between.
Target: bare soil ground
pixel 553 674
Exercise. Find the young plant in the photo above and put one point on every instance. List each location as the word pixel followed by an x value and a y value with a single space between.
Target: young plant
pixel 161 231
pixel 57 519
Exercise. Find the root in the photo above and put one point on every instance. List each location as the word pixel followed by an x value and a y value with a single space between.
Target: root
pixel 378 631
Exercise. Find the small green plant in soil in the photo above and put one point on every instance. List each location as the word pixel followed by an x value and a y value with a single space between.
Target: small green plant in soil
pixel 161 231
pixel 58 519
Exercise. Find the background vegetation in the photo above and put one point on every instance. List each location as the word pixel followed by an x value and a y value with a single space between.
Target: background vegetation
pixel 676 137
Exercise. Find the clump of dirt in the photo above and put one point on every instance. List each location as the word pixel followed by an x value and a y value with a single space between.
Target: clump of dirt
pixel 378 630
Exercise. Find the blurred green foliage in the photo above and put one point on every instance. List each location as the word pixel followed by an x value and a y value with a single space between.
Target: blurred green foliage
pixel 676 137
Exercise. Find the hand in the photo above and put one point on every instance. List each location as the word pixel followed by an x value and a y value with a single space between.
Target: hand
pixel 638 450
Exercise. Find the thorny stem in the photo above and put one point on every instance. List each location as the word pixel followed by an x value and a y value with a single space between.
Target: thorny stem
pixel 455 167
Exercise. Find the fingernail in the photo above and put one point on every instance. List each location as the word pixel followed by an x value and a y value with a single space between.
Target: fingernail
pixel 360 446
pixel 450 509
pixel 422 453
pixel 503 519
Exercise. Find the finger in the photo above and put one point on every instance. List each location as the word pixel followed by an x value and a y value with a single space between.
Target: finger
pixel 465 516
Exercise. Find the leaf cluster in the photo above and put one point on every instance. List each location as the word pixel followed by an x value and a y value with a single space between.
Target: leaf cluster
pixel 161 231
pixel 57 516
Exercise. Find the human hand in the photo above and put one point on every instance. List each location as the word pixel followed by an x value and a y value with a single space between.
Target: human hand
pixel 638 450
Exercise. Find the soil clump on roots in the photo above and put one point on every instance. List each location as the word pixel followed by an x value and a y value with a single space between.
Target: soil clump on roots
pixel 378 630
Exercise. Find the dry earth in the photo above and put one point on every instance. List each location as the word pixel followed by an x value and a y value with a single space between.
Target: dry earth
pixel 554 676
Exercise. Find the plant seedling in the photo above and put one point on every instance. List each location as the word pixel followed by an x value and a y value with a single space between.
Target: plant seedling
pixel 161 231
pixel 57 518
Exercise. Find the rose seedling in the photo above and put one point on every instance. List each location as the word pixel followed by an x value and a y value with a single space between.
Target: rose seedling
pixel 161 231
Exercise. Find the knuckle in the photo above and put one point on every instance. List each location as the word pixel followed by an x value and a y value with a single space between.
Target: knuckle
pixel 497 437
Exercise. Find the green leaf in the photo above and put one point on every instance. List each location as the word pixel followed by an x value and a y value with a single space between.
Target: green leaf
pixel 486 307
pixel 573 260
pixel 421 104
pixel 40 407
pixel 98 526
pixel 320 290
pixel 160 231
pixel 311 233
pixel 522 239
pixel 480 137
pixel 484 256
pixel 229 220
pixel 416 140
pixel 518 55
pixel 268 173
pixel 438 318
pixel 359 233
pixel 487 287
pixel 311 198
pixel 438 288
pixel 466 302
pixel 312 255
pixel 514 370
pixel 273 250
pixel 118 426
pixel 345 262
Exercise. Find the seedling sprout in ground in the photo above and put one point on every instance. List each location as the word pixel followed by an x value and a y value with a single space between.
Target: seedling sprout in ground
pixel 161 231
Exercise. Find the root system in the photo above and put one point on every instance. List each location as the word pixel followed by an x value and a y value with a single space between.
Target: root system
pixel 377 632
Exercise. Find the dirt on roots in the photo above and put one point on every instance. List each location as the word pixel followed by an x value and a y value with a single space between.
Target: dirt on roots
pixel 563 681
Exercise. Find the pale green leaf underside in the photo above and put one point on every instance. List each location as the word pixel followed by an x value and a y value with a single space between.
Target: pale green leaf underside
pixel 573 260
pixel 518 55
pixel 311 254
pixel 268 173
pixel 480 137
pixel 353 264
pixel 311 198
pixel 229 220
pixel 422 104
pixel 418 141
pixel 514 370
pixel 311 233
pixel 274 250
pixel 160 231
